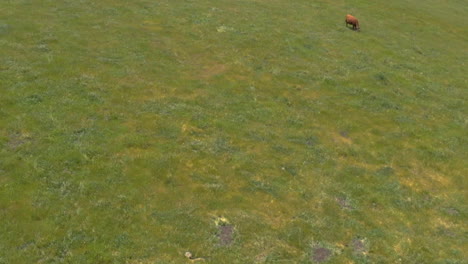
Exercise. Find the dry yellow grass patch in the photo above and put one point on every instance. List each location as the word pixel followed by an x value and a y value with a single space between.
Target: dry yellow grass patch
pixel 210 71
pixel 421 178
pixel 152 25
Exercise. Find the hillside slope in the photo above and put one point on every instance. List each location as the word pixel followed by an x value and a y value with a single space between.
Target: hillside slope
pixel 127 128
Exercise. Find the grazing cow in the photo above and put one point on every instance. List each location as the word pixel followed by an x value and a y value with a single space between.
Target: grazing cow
pixel 352 21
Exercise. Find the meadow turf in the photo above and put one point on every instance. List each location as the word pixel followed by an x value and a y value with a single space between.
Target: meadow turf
pixel 128 128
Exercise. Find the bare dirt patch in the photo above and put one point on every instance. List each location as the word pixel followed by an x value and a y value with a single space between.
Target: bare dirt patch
pixel 226 235
pixel 443 231
pixel 344 203
pixel 344 134
pixel 451 211
pixel 342 138
pixel 16 140
pixel 359 246
pixel 321 255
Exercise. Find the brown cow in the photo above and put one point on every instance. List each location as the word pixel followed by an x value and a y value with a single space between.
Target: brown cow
pixel 352 21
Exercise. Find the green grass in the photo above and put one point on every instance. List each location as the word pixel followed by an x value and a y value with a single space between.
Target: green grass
pixel 127 127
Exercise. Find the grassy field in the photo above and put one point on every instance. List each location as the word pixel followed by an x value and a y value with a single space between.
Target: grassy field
pixel 245 131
